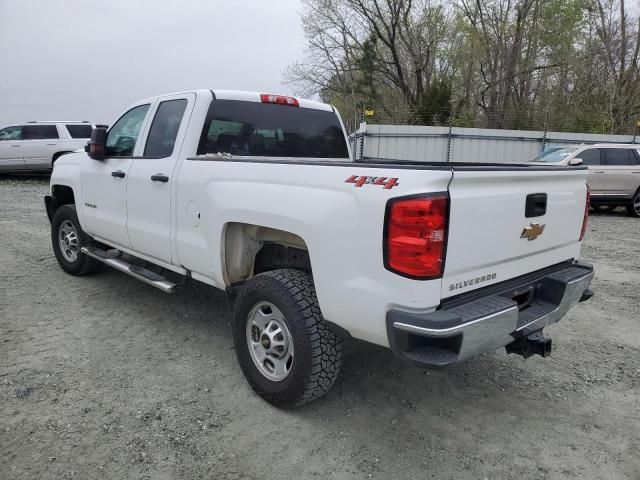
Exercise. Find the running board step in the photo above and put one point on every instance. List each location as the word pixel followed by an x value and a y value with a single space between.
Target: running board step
pixel 111 258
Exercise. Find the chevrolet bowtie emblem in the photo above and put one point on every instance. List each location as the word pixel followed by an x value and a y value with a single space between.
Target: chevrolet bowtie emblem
pixel 532 232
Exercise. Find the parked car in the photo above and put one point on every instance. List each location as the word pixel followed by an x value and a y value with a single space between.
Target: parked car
pixel 257 194
pixel 614 172
pixel 35 146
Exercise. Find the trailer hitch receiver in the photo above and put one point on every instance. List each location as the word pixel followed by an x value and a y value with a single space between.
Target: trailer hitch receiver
pixel 533 344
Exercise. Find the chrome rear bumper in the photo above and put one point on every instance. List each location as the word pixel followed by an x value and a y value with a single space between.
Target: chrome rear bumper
pixel 489 318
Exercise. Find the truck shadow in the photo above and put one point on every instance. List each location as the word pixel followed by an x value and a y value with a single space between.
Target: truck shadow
pixel 380 407
pixel 371 375
pixel 25 176
pixel 614 212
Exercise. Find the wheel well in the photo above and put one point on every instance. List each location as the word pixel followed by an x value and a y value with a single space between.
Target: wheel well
pixel 57 155
pixel 252 249
pixel 62 195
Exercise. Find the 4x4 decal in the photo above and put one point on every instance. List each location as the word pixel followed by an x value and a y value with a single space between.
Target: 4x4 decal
pixel 386 183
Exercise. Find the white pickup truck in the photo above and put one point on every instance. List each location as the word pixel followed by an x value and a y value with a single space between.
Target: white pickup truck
pixel 256 194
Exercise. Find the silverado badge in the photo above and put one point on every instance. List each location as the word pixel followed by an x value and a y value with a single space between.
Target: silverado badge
pixel 532 232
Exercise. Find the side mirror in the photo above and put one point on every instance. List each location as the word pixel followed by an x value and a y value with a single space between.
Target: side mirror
pixel 97 146
pixel 575 161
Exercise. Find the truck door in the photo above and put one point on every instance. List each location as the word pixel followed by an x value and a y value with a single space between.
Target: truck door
pixel 104 187
pixel 152 178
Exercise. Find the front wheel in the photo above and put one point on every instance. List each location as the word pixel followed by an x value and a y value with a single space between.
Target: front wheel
pixel 633 208
pixel 67 238
pixel 285 348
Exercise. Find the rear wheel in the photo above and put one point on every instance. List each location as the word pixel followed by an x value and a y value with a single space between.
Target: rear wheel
pixel 633 208
pixel 285 348
pixel 67 238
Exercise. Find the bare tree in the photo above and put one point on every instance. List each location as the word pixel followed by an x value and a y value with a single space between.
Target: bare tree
pixel 620 51
pixel 497 63
pixel 514 59
pixel 380 44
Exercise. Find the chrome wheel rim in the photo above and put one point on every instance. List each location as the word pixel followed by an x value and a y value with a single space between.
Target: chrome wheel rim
pixel 269 341
pixel 636 204
pixel 68 241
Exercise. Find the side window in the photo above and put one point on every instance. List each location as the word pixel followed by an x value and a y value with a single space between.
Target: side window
pixel 79 131
pixel 39 132
pixel 122 137
pixel 590 157
pixel 11 133
pixel 164 128
pixel 619 156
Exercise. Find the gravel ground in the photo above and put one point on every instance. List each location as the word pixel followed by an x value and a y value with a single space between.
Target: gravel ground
pixel 106 377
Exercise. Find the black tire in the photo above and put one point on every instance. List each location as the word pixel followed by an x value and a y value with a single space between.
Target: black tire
pixel 633 208
pixel 82 265
pixel 317 349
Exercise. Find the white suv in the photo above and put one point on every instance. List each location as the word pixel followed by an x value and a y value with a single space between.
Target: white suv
pixel 34 146
pixel 614 172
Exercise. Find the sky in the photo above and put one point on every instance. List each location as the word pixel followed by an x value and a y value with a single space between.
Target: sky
pixel 89 59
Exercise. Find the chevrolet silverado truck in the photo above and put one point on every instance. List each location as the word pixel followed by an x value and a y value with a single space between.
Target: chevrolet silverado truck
pixel 256 194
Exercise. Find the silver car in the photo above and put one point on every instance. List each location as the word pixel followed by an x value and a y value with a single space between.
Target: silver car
pixel 35 146
pixel 614 172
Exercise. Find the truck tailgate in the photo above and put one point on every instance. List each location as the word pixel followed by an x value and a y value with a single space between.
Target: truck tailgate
pixel 487 221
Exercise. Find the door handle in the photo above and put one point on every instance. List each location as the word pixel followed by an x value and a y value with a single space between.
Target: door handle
pixel 599 171
pixel 118 174
pixel 51 144
pixel 636 172
pixel 15 145
pixel 159 177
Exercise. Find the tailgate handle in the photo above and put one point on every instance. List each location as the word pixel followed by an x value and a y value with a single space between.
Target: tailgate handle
pixel 536 205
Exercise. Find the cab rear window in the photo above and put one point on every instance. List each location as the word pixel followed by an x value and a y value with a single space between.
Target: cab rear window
pixel 269 130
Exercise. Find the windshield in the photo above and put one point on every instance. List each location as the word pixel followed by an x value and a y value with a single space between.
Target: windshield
pixel 554 154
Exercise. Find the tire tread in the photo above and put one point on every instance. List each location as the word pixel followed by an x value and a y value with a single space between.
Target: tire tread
pixel 324 345
pixel 84 265
pixel 630 208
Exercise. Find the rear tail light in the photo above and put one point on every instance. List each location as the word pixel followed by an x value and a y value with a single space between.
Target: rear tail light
pixel 416 236
pixel 585 218
pixel 279 99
